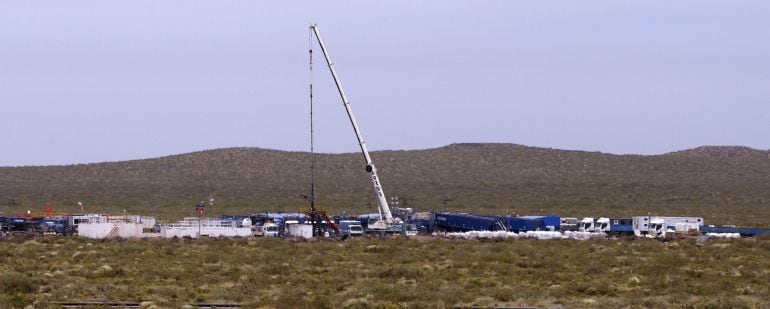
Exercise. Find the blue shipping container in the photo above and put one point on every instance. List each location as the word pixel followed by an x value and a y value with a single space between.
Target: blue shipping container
pixel 462 222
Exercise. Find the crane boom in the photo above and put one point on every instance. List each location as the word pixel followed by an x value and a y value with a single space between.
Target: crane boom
pixel 382 202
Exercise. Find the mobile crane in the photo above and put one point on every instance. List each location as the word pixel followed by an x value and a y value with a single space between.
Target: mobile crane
pixel 386 223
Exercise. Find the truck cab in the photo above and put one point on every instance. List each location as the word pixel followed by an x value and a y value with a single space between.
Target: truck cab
pixel 602 225
pixel 351 228
pixel 269 229
pixel 587 225
pixel 657 227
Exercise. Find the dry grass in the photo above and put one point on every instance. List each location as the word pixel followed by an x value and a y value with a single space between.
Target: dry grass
pixel 365 273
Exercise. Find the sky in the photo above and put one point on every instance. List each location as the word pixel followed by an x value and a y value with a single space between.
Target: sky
pixel 96 81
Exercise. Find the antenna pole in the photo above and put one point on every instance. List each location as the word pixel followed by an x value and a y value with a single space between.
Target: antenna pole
pixel 312 148
pixel 315 219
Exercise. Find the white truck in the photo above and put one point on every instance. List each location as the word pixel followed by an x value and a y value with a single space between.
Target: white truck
pixel 268 229
pixel 351 228
pixel 591 225
pixel 657 227
pixel 602 225
pixel 587 224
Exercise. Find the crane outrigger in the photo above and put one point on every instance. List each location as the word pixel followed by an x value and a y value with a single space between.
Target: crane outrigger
pixel 386 223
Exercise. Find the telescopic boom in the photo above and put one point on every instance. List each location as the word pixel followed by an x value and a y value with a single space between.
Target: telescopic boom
pixel 382 202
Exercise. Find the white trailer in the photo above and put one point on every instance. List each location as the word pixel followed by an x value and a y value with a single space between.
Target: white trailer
pixel 193 227
pixel 300 230
pixel 117 229
pixel 656 227
pixel 569 224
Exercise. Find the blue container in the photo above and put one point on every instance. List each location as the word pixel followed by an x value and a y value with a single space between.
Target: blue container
pixel 523 224
pixel 462 222
pixel 621 226
pixel 550 222
pixel 744 231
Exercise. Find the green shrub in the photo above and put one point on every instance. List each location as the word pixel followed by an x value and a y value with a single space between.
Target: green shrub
pixel 16 283
pixel 16 301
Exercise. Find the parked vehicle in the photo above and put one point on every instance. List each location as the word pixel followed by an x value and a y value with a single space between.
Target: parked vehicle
pixel 592 225
pixel 351 228
pixel 621 227
pixel 658 227
pixel 269 229
pixel 588 224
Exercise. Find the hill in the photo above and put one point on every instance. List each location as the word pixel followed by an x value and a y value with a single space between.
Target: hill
pixel 724 184
pixel 725 152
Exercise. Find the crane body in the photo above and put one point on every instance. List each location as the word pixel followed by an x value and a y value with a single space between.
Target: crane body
pixel 386 220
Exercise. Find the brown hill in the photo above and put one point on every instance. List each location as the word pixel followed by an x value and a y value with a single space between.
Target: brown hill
pixel 725 152
pixel 725 185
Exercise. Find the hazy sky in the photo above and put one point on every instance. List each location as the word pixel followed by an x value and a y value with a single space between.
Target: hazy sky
pixel 92 81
